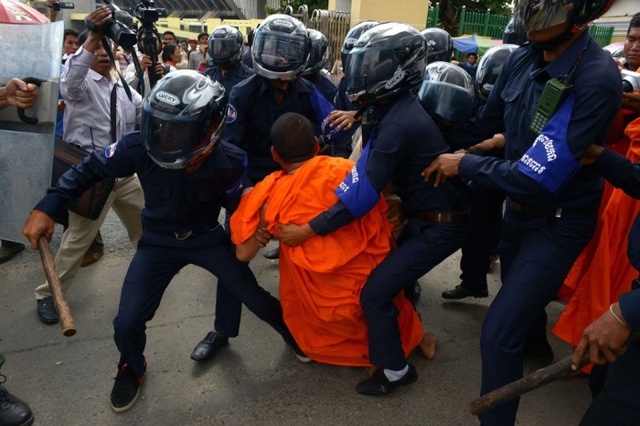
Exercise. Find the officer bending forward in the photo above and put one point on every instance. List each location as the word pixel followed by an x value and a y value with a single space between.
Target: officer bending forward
pixel 186 175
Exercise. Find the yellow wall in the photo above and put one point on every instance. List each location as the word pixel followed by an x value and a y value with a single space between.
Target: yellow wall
pixel 412 12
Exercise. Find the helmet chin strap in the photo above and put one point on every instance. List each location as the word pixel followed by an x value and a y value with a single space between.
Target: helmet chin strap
pixel 554 43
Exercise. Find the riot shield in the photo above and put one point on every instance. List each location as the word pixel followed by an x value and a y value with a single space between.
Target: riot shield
pixel 26 150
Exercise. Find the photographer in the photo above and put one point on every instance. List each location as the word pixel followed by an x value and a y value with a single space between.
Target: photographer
pixel 631 52
pixel 131 76
pixel 97 113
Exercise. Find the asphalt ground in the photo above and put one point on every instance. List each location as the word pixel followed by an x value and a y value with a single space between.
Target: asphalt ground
pixel 256 380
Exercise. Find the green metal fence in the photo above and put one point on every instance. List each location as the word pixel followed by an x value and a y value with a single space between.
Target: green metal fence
pixel 485 24
pixel 602 35
pixel 490 25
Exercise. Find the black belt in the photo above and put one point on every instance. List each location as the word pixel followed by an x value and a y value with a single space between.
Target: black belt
pixel 441 217
pixel 186 234
pixel 536 210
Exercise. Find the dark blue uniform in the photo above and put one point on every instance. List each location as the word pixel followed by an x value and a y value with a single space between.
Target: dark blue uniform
pixel 403 141
pixel 231 78
pixel 543 231
pixel 180 228
pixel 253 110
pixel 325 86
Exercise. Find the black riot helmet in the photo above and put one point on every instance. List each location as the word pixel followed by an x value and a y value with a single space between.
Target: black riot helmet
pixel 387 60
pixel 439 45
pixel 489 68
pixel 447 93
pixel 532 15
pixel 225 47
pixel 183 118
pixel 280 48
pixel 511 36
pixel 350 40
pixel 318 50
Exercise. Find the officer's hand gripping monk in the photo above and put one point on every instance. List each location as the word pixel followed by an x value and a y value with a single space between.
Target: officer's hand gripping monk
pixel 186 174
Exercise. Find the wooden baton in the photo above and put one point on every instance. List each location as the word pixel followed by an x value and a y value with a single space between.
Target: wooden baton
pixel 66 320
pixel 559 370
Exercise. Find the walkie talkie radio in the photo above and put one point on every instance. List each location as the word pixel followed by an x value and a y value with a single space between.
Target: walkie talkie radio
pixel 554 93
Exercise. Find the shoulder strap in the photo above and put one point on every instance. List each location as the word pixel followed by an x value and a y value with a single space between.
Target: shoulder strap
pixel 113 113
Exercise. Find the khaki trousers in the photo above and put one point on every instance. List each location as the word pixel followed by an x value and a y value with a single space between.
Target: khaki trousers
pixel 127 200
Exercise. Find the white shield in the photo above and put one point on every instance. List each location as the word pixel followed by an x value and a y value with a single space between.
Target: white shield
pixel 26 150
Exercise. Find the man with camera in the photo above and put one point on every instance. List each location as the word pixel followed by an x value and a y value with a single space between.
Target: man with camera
pixel 98 112
pixel 631 67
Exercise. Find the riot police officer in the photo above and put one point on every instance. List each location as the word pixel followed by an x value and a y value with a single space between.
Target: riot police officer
pixel 186 175
pixel 397 134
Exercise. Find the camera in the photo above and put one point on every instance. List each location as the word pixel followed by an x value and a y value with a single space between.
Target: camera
pixel 57 5
pixel 630 81
pixel 118 28
pixel 147 13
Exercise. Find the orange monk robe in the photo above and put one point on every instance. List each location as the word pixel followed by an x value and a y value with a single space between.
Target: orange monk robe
pixel 607 272
pixel 321 280
pixel 619 142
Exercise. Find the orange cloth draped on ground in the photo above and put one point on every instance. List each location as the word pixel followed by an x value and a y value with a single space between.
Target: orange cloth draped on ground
pixel 321 280
pixel 602 272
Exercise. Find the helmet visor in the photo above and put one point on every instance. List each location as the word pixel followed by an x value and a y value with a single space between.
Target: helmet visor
pixel 447 103
pixel 171 142
pixel 532 15
pixel 367 67
pixel 223 49
pixel 280 53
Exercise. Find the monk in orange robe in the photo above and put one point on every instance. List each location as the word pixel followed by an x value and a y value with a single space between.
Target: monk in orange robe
pixel 602 271
pixel 320 280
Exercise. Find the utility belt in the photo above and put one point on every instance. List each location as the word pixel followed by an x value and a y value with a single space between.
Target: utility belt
pixel 542 210
pixel 185 234
pixel 441 217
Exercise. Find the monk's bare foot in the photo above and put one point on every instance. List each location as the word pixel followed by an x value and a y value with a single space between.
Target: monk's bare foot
pixel 371 370
pixel 428 345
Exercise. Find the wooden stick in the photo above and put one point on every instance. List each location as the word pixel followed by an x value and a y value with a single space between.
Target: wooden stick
pixel 66 320
pixel 559 370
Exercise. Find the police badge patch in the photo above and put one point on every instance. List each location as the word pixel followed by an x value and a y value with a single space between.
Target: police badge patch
pixel 232 114
pixel 110 150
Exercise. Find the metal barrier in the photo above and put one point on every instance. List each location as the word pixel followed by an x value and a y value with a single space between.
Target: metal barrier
pixel 602 35
pixel 334 24
pixel 485 24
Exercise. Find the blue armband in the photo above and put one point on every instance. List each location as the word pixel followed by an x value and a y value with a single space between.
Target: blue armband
pixel 355 191
pixel 549 160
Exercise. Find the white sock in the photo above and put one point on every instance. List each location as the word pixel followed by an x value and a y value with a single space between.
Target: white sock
pixel 394 375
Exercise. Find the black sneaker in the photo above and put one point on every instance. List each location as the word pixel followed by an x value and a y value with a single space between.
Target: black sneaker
pixel 299 354
pixel 13 411
pixel 379 385
pixel 125 389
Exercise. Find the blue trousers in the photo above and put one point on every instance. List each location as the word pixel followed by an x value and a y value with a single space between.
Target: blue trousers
pixel 421 246
pixel 158 259
pixel 483 237
pixel 536 253
pixel 619 401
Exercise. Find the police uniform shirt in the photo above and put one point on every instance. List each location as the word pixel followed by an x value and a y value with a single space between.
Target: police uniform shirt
pixel 231 78
pixel 342 102
pixel 405 139
pixel 325 86
pixel 510 110
pixel 253 110
pixel 174 200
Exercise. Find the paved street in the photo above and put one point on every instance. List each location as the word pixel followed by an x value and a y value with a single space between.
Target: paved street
pixel 256 380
